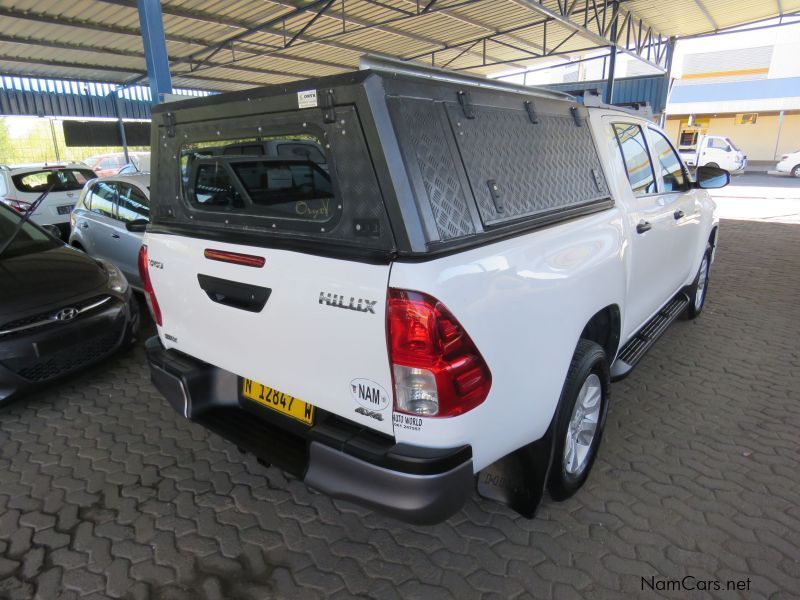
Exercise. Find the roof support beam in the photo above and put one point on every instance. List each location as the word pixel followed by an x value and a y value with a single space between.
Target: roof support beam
pixel 707 14
pixel 590 35
pixel 309 23
pixel 107 50
pixel 120 70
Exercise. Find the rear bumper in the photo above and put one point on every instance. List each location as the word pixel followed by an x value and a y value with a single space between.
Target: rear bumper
pixel 335 456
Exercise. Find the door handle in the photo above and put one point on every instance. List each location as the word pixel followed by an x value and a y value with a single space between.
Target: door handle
pixel 643 226
pixel 235 294
pixel 115 236
pixel 678 214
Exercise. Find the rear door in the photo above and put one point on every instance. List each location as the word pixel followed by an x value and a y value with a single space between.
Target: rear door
pixel 98 224
pixel 131 205
pixel 299 317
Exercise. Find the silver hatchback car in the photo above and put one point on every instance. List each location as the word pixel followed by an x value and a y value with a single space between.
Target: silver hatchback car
pixel 109 218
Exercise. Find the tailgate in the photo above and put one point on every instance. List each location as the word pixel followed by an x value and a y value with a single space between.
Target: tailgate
pixel 320 336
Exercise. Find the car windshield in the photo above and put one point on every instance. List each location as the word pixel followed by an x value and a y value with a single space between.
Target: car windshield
pixel 30 239
pixel 62 180
pixel 732 145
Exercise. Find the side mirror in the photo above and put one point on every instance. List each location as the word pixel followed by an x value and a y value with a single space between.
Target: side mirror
pixel 137 226
pixel 709 178
pixel 53 230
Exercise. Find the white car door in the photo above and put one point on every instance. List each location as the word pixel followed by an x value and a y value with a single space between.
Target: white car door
pixel 676 193
pixel 650 224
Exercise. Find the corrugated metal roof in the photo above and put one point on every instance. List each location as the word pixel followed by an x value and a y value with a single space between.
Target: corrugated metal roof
pixel 274 41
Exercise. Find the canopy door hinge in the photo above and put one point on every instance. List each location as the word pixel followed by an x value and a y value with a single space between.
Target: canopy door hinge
pixel 530 108
pixel 328 105
pixel 465 100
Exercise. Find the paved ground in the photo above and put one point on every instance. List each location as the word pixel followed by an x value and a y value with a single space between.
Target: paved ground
pixel 105 492
pixel 761 197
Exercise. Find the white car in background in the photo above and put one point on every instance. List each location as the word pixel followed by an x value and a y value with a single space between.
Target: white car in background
pixel 789 163
pixel 20 186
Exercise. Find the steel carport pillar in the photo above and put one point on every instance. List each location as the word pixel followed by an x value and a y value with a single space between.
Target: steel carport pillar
pixel 155 48
pixel 612 62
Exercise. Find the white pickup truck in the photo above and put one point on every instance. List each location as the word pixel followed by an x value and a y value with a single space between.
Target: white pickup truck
pixel 442 303
pixel 714 151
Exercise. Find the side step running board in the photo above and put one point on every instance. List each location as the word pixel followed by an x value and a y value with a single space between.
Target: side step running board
pixel 639 344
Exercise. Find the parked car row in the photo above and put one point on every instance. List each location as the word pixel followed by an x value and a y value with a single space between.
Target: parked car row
pixel 60 309
pixel 789 164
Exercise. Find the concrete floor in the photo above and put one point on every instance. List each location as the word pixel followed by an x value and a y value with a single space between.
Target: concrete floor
pixel 106 492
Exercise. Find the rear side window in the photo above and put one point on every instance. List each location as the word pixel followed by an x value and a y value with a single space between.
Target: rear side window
pixel 667 163
pixel 103 196
pixel 62 180
pixel 633 148
pixel 132 204
pixel 239 175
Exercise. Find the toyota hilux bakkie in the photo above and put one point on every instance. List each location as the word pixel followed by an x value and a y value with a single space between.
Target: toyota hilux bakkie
pixel 399 284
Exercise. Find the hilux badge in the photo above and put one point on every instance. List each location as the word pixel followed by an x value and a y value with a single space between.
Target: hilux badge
pixel 356 304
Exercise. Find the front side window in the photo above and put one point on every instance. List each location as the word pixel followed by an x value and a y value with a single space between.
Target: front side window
pixel 718 144
pixel 287 180
pixel 132 204
pixel 633 148
pixel 668 165
pixel 61 180
pixel 103 197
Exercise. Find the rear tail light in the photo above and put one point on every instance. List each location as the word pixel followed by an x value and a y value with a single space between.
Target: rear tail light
pixel 17 205
pixel 438 371
pixel 149 293
pixel 785 157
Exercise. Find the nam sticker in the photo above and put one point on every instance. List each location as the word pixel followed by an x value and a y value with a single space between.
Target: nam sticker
pixel 369 395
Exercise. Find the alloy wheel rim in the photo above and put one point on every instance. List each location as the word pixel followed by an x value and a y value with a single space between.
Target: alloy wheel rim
pixel 702 282
pixel 583 424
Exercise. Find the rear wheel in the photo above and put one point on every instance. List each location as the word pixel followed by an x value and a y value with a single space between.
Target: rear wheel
pixel 715 165
pixel 580 419
pixel 796 171
pixel 699 289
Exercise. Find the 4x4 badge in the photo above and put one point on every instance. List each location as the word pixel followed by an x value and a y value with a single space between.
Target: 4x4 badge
pixel 357 304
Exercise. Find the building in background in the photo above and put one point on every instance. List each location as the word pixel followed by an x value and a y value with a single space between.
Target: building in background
pixel 744 85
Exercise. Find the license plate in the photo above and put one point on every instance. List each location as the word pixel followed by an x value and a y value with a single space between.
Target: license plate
pixel 278 401
pixel 65 209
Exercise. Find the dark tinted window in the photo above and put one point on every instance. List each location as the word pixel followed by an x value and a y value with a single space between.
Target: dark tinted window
pixel 244 150
pixel 630 140
pixel 667 163
pixel 301 151
pixel 238 176
pixel 212 186
pixel 102 201
pixel 62 180
pixel 29 239
pixel 132 203
pixel 289 189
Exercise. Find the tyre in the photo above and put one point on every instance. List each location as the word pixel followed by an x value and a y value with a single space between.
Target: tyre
pixel 580 419
pixel 796 171
pixel 699 288
pixel 715 165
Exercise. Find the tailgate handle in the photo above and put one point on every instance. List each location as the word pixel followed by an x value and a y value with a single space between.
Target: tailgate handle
pixel 243 296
